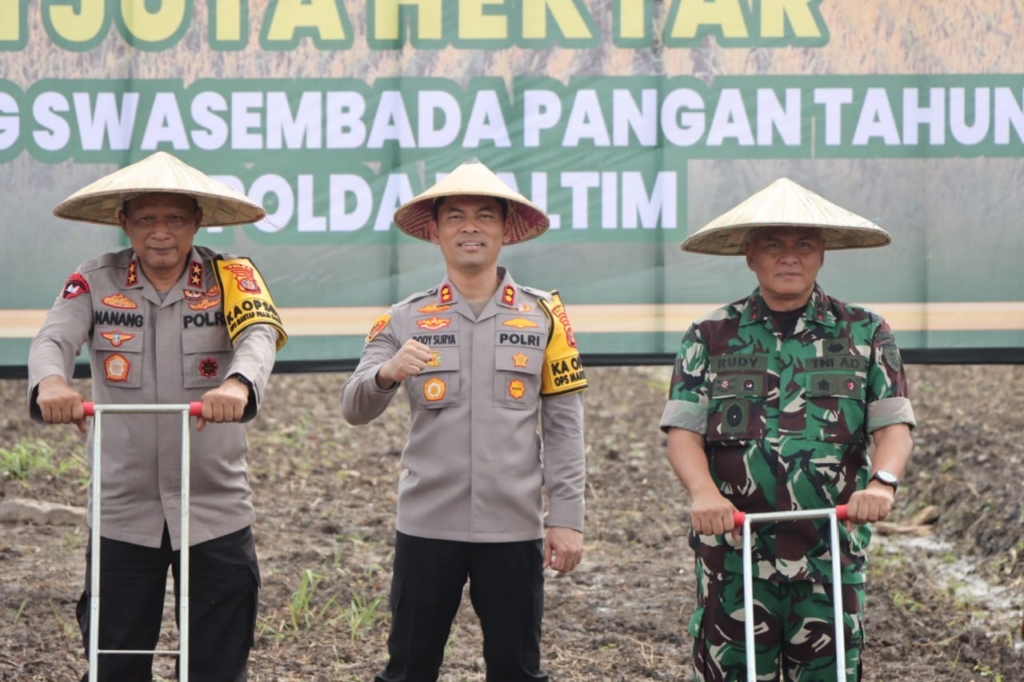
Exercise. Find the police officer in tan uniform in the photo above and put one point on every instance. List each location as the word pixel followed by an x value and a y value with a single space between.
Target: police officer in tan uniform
pixel 165 322
pixel 481 358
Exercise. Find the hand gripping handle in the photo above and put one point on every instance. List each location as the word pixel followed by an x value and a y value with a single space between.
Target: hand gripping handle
pixel 738 517
pixel 195 409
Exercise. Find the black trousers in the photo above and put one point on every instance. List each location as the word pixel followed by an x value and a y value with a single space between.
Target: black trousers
pixel 223 593
pixel 506 586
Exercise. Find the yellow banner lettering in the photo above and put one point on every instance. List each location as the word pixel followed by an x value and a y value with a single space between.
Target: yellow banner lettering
pixel 475 25
pixel 77 25
pixel 152 27
pixel 631 19
pixel 10 27
pixel 386 24
pixel 291 15
pixel 566 14
pixel 227 25
pixel 775 12
pixel 692 14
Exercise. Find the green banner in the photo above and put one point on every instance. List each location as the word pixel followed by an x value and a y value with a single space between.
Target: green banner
pixel 632 122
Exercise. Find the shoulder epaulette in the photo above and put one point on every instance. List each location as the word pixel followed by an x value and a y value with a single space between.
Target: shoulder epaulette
pixel 539 293
pixel 432 291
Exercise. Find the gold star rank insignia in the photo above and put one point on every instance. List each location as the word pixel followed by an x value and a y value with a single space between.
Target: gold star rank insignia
pixel 195 274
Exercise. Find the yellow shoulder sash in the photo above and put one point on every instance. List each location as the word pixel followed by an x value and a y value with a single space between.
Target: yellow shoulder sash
pixel 247 300
pixel 563 370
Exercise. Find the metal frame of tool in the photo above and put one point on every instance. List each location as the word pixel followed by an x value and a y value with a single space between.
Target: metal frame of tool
pixel 834 516
pixel 97 411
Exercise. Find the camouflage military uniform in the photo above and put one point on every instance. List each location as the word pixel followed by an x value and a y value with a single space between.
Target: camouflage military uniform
pixel 786 424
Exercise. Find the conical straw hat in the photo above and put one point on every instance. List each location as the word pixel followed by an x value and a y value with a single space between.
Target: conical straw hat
pixel 525 219
pixel 160 172
pixel 785 204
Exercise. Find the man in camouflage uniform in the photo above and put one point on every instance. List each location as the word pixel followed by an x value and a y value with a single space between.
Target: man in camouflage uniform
pixel 772 403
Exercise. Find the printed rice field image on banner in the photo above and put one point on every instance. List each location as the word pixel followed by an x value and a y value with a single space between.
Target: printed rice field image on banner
pixel 633 123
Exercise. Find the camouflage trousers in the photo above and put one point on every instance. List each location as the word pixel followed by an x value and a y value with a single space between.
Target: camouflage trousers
pixel 794 630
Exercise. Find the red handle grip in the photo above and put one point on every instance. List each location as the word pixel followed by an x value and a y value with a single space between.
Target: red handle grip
pixel 195 409
pixel 738 517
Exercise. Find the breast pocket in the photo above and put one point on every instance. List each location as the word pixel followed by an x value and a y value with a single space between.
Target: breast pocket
pixel 206 356
pixel 737 407
pixel 437 385
pixel 120 356
pixel 835 406
pixel 517 377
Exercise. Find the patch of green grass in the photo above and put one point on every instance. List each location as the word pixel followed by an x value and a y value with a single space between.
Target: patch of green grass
pixel 905 602
pixel 362 615
pixel 31 458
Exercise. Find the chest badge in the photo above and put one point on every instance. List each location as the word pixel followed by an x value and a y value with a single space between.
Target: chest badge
pixel 516 389
pixel 434 323
pixel 209 367
pixel 434 308
pixel 116 368
pixel 120 301
pixel 117 337
pixel 520 323
pixel 520 360
pixel 434 390
pixel 435 359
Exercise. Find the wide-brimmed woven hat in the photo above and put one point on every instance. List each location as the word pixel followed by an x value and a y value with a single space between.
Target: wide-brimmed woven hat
pixel 785 204
pixel 160 172
pixel 525 219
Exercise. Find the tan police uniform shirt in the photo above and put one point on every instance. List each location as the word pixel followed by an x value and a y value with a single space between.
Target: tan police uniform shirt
pixel 144 350
pixel 473 463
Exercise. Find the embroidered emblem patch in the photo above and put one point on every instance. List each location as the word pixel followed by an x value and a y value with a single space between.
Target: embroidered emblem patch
pixel 559 312
pixel 120 301
pixel 850 385
pixel 724 383
pixel 435 359
pixel 520 323
pixel 748 385
pixel 208 367
pixel 117 337
pixel 434 390
pixel 520 360
pixel 508 296
pixel 195 274
pixel 434 308
pixel 75 286
pixel 378 327
pixel 131 277
pixel 198 300
pixel 116 368
pixel 434 323
pixel 516 389
pixel 245 278
pixel 446 294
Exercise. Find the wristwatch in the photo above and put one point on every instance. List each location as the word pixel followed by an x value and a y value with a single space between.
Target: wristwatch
pixel 886 478
pixel 239 377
